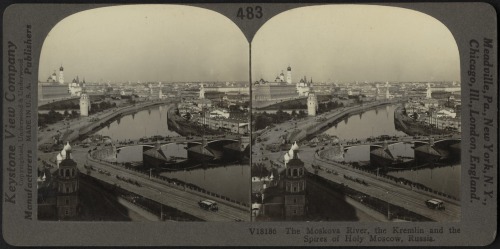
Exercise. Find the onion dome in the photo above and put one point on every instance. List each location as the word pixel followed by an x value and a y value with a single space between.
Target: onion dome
pixel 295 146
pixel 63 154
pixel 286 157
pixel 61 68
pixel 59 157
pixel 289 68
pixel 67 147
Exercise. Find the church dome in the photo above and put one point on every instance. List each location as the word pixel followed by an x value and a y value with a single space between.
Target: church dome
pixel 295 146
pixel 63 153
pixel 67 146
pixel 59 157
pixel 286 157
pixel 61 68
pixel 289 68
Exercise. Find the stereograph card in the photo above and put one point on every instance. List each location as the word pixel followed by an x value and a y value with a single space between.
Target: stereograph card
pixel 291 124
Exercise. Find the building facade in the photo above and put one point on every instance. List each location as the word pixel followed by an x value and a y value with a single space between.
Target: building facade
pixel 67 187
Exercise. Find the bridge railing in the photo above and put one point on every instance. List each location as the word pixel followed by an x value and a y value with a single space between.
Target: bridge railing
pixel 372 202
pixel 171 182
pixel 397 180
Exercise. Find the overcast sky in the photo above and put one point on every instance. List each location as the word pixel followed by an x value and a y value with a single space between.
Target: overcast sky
pixel 146 43
pixel 355 43
pixel 334 43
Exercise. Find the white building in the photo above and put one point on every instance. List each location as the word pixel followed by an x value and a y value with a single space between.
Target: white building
pixel 84 105
pixel 61 75
pixel 219 113
pixel 312 104
pixel 446 113
pixel 289 75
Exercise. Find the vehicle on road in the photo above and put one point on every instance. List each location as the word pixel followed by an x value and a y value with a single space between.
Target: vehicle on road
pixel 435 204
pixel 209 205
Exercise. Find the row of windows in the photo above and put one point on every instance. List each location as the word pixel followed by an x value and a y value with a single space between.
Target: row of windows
pixel 295 172
pixel 295 187
pixel 68 188
pixel 67 172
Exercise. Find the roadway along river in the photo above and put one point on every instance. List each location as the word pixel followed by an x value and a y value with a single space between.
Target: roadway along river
pixel 185 201
pixel 380 121
pixel 231 180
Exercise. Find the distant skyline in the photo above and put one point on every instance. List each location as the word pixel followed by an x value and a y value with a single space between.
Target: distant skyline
pixel 146 43
pixel 348 43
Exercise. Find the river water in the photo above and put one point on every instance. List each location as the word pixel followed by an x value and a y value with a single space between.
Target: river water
pixel 380 121
pixel 232 180
pixel 147 123
pixel 376 122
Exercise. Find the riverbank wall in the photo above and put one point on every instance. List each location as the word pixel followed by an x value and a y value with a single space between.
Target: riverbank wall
pixel 113 115
pixel 330 121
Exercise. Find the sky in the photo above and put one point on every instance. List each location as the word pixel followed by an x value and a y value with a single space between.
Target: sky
pixel 146 43
pixel 330 43
pixel 347 43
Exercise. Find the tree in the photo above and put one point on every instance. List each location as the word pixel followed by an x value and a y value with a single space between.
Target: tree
pixel 302 114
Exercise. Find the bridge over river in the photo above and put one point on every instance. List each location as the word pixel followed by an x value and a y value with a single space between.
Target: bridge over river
pixel 173 195
pixel 355 131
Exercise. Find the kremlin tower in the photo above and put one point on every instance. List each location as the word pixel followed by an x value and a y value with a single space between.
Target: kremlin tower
pixel 312 104
pixel 84 104
pixel 61 75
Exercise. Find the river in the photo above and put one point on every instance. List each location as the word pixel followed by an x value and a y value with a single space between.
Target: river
pixel 150 122
pixel 231 180
pixel 380 121
pixel 372 123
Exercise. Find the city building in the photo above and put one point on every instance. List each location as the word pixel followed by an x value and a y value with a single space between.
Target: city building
pixel 428 94
pixel 295 186
pixel 61 75
pixel 84 105
pixel 284 193
pixel 67 187
pixel 312 104
pixel 268 93
pixel 58 189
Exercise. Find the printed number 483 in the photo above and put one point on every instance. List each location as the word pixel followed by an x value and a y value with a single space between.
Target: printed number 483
pixel 250 13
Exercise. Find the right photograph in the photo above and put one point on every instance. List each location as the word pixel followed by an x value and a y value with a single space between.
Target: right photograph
pixel 356 116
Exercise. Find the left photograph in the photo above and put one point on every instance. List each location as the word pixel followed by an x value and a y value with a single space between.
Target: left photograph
pixel 143 115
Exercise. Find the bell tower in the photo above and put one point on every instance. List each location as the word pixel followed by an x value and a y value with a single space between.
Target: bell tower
pixel 67 187
pixel 289 75
pixel 295 187
pixel 61 75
